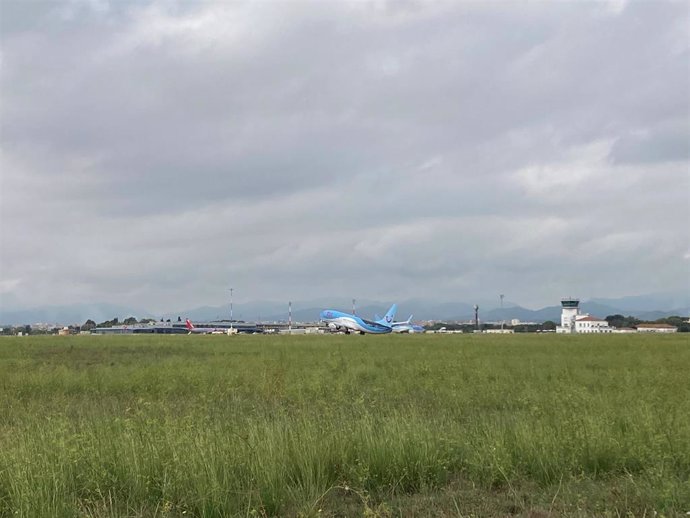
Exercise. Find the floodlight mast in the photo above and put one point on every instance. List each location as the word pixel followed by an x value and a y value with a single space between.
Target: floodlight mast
pixel 476 316
pixel 502 318
pixel 231 308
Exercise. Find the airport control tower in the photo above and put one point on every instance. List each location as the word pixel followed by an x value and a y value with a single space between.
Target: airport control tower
pixel 570 311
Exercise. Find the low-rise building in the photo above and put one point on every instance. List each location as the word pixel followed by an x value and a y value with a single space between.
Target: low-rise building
pixel 624 330
pixel 590 324
pixel 656 328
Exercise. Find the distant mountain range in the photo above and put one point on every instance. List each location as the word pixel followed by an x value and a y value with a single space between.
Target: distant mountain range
pixel 645 307
pixel 69 314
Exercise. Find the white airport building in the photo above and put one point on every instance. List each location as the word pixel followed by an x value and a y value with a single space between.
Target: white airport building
pixel 572 321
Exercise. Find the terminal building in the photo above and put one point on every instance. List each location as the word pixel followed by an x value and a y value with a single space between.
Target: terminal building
pixel 572 321
pixel 178 328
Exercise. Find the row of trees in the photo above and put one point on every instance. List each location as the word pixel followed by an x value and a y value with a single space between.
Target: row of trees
pixel 469 328
pixel 13 330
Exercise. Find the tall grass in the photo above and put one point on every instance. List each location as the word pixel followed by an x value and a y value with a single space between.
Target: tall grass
pixel 239 426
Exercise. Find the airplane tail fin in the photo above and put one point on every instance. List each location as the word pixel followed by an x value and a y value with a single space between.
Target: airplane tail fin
pixel 404 322
pixel 389 317
pixel 188 325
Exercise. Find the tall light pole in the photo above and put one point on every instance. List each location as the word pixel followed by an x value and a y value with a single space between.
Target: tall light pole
pixel 230 308
pixel 290 317
pixel 476 316
pixel 502 319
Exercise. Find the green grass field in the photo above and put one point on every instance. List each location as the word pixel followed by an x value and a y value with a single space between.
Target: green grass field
pixel 421 425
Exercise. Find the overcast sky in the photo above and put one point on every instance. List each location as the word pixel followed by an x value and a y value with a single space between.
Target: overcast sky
pixel 155 154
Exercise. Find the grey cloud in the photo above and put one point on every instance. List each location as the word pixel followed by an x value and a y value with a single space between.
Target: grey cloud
pixel 441 150
pixel 668 142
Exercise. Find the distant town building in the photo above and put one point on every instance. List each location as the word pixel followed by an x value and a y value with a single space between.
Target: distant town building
pixel 518 322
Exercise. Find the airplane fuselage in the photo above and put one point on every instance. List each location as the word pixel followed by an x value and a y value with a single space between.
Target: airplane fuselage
pixel 349 322
pixel 407 327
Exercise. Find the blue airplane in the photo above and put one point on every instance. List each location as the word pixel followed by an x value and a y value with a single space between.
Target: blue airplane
pixel 348 322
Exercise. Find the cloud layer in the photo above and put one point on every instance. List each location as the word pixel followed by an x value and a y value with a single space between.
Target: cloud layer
pixel 156 154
